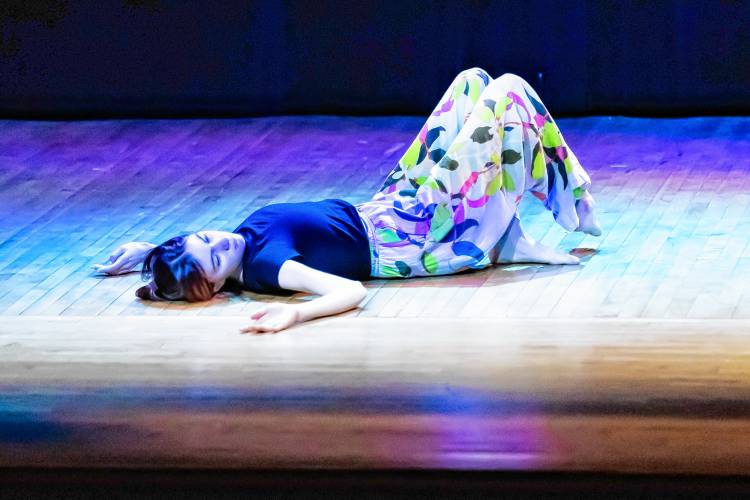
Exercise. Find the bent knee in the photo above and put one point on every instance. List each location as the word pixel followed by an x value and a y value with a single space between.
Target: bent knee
pixel 511 80
pixel 476 71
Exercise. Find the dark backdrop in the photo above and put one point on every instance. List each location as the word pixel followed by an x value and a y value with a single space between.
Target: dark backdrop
pixel 231 57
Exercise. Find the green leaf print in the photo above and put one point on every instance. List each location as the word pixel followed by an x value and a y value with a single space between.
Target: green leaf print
pixel 456 147
pixel 412 154
pixel 474 90
pixel 458 89
pixel 501 105
pixel 538 165
pixel 481 135
pixel 568 165
pixel 403 268
pixel 550 136
pixel 508 182
pixel 387 235
pixel 431 183
pixel 441 222
pixel 390 272
pixel 448 163
pixel 511 156
pixel 494 185
pixel 486 115
pixel 429 262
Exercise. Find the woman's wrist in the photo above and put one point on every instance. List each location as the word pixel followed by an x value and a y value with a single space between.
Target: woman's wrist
pixel 301 313
pixel 146 247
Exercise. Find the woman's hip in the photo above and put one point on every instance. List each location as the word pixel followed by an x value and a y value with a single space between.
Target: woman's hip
pixel 405 242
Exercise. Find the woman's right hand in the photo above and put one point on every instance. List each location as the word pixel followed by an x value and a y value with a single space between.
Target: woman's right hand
pixel 125 258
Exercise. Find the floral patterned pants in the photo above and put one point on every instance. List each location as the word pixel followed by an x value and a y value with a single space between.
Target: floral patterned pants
pixel 447 204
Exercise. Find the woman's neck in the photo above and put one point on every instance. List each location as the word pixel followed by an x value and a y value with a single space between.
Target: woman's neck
pixel 237 272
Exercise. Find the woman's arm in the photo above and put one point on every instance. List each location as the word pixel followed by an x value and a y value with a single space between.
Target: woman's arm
pixel 337 294
pixel 125 258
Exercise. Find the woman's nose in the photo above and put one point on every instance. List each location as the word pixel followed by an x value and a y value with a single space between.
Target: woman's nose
pixel 222 244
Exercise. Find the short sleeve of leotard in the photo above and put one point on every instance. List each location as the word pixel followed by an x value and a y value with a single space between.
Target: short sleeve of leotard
pixel 261 273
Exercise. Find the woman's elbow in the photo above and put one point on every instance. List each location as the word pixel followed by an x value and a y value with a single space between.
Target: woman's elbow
pixel 359 292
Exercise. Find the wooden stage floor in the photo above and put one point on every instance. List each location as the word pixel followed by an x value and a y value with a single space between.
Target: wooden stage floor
pixel 636 361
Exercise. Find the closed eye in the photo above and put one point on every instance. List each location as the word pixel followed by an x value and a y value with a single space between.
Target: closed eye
pixel 204 237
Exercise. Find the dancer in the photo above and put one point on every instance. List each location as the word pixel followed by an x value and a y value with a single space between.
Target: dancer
pixel 450 204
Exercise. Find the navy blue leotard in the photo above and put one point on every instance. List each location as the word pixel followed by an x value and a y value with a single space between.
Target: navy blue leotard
pixel 327 235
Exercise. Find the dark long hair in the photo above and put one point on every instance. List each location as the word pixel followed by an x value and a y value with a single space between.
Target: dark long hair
pixel 176 274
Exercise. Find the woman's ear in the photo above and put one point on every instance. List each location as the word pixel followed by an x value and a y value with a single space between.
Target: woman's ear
pixel 148 292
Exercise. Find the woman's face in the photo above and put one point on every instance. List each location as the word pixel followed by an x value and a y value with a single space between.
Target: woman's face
pixel 219 253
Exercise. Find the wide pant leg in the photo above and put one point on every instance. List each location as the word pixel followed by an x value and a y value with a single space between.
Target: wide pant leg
pixel 438 132
pixel 446 205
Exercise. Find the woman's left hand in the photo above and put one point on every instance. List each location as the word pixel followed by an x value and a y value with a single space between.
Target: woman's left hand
pixel 273 317
pixel 125 258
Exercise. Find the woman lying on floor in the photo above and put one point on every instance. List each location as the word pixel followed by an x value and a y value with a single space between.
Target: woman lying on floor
pixel 449 205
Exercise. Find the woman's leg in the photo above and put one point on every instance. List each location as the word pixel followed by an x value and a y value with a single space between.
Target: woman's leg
pixel 585 208
pixel 438 132
pixel 548 168
pixel 456 214
pixel 517 246
pixel 508 145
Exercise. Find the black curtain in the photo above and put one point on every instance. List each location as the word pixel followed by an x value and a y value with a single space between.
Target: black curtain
pixel 178 58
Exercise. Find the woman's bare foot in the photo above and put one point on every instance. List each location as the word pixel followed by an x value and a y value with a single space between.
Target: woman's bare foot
pixel 518 247
pixel 585 208
pixel 537 253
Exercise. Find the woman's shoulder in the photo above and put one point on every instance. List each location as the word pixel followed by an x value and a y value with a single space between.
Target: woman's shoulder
pixel 301 207
pixel 295 211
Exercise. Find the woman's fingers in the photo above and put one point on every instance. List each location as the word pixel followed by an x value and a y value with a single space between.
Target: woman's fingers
pixel 124 258
pixel 261 327
pixel 117 267
pixel 258 314
pixel 116 254
pixel 115 263
pixel 104 268
pixel 255 329
pixel 267 319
